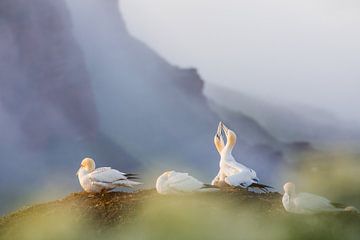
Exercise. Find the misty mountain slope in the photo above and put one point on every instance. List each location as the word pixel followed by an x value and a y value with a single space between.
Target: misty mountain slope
pixel 44 83
pixel 157 111
pixel 74 83
pixel 48 116
pixel 46 96
pixel 289 123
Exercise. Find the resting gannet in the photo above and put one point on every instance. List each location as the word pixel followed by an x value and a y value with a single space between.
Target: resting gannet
pixel 172 182
pixel 231 171
pixel 307 203
pixel 102 179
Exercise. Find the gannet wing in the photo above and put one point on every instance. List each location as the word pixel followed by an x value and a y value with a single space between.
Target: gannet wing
pixel 183 182
pixel 102 169
pixel 241 168
pixel 106 175
pixel 241 179
pixel 313 203
pixel 229 170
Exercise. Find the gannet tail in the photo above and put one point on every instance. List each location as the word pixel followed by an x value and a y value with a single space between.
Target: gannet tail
pixel 208 188
pixel 126 183
pixel 345 208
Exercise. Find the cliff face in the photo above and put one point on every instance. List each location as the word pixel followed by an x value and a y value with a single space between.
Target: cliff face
pixel 157 110
pixel 44 84
pixel 48 116
pixel 75 83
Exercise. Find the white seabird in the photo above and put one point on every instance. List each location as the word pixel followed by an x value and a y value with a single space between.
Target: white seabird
pixel 232 172
pixel 172 182
pixel 102 179
pixel 219 145
pixel 307 203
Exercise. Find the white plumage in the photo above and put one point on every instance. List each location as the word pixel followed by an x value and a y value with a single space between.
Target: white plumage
pixel 172 182
pixel 219 145
pixel 102 179
pixel 307 203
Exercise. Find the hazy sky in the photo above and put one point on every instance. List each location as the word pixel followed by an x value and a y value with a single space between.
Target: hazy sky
pixel 301 51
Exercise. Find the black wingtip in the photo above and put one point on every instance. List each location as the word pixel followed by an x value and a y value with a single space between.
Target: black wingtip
pixel 262 187
pixel 132 177
pixel 205 185
pixel 338 205
pixel 130 174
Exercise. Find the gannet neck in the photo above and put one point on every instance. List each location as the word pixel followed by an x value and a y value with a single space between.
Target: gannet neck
pixel 219 143
pixel 82 172
pixel 160 182
pixel 287 202
pixel 230 143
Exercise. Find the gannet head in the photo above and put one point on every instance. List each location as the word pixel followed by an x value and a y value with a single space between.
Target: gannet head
pixel 88 164
pixel 289 188
pixel 230 135
pixel 168 173
pixel 219 130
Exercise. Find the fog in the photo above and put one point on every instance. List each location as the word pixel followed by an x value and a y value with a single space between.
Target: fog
pixel 74 83
pixel 298 52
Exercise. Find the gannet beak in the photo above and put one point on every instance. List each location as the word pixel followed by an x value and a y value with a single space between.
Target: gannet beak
pixel 226 129
pixel 218 133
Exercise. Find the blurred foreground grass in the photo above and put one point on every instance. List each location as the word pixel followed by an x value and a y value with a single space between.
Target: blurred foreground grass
pixel 146 215
pixel 227 214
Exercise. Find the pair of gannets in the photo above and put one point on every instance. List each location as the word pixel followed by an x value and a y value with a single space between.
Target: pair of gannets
pixel 232 172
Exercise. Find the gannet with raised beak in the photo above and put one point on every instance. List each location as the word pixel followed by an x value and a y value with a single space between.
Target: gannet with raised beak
pixel 172 182
pixel 307 203
pixel 219 145
pixel 233 172
pixel 102 179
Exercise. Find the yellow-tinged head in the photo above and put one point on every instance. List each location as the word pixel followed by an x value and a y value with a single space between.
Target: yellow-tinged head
pixel 168 173
pixel 289 188
pixel 88 164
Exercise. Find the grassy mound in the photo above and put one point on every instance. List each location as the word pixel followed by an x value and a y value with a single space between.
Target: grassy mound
pixel 229 213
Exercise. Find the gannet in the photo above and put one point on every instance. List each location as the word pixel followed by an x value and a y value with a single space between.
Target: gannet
pixel 172 182
pixel 232 172
pixel 102 179
pixel 307 203
pixel 219 145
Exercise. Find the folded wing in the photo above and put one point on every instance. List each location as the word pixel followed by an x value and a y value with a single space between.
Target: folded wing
pixel 314 203
pixel 183 182
pixel 111 176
